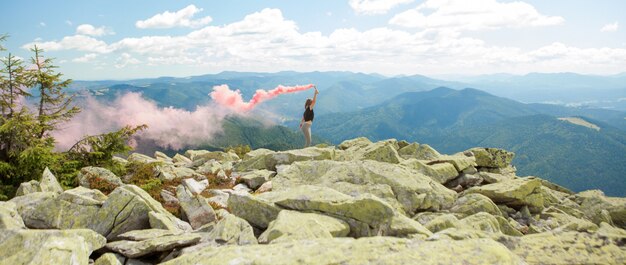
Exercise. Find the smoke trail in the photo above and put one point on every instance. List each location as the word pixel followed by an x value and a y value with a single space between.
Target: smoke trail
pixel 167 127
pixel 234 101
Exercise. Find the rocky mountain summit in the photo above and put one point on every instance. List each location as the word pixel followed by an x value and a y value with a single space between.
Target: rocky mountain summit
pixel 361 202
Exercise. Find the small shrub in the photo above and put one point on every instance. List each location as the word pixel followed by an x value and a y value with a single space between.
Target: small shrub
pixel 101 185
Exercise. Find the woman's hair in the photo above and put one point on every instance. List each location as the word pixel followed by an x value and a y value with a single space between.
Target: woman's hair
pixel 308 102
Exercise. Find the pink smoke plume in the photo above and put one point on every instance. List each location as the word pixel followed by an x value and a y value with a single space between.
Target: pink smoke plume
pixel 234 101
pixel 167 127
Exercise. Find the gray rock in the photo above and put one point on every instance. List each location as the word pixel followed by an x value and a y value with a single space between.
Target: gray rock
pixel 134 249
pixel 254 179
pixel 195 207
pixel 48 246
pixel 196 187
pixel 88 175
pixel 9 217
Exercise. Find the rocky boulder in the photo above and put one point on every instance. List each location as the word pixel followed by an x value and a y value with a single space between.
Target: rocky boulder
pixel 412 190
pixel 515 193
pixel 566 248
pixel 492 157
pixel 371 250
pixel 9 217
pixel 47 183
pixel 474 203
pixel 440 172
pixel 418 151
pixel 254 179
pixel 270 160
pixel 48 246
pixel 195 207
pixel 598 208
pixel 293 225
pixel 257 210
pixel 127 208
pixel 231 229
pixel 98 178
pixel 149 243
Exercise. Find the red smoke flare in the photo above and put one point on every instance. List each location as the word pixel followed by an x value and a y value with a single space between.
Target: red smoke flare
pixel 233 99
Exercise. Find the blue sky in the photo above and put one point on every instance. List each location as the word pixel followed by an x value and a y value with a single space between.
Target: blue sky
pixel 132 39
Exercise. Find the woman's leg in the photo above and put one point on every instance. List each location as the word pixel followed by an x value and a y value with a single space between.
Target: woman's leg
pixel 306 129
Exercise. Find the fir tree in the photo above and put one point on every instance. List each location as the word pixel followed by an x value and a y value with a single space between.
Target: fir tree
pixel 54 103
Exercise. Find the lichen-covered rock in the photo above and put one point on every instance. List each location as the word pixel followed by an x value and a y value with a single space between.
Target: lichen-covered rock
pixel 411 189
pixel 256 178
pixel 48 246
pixel 181 159
pixel 593 203
pixel 443 222
pixel 140 158
pixel 474 203
pixel 566 248
pixel 28 187
pixel 195 207
pixel 558 220
pixel 127 209
pixel 162 157
pixel 31 208
pixel 401 226
pixel 110 259
pixel 516 193
pixel 134 249
pixel 382 191
pixel 194 186
pixel 170 172
pixel 357 142
pixel 47 183
pixel 382 151
pixel 256 210
pixel 440 172
pixel 293 225
pixel 9 217
pixel 96 177
pixel 371 250
pixel 482 221
pixel 419 151
pixel 73 208
pixel 211 167
pixel 145 234
pixel 231 229
pixel 366 208
pixel 461 233
pixel 163 221
pixel 460 162
pixel 270 160
pixel 492 157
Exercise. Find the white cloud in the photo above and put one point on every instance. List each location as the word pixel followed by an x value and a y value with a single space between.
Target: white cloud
pixel 76 42
pixel 610 27
pixel 42 24
pixel 371 7
pixel 126 59
pixel 85 58
pixel 180 18
pixel 87 29
pixel 458 15
pixel 266 41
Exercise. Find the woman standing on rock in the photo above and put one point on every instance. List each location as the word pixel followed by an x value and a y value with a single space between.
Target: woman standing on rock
pixel 307 118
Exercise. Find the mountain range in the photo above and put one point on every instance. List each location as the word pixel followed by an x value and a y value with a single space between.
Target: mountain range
pixel 445 114
pixel 450 120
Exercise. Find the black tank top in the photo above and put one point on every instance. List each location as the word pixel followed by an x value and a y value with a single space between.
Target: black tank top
pixel 308 114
